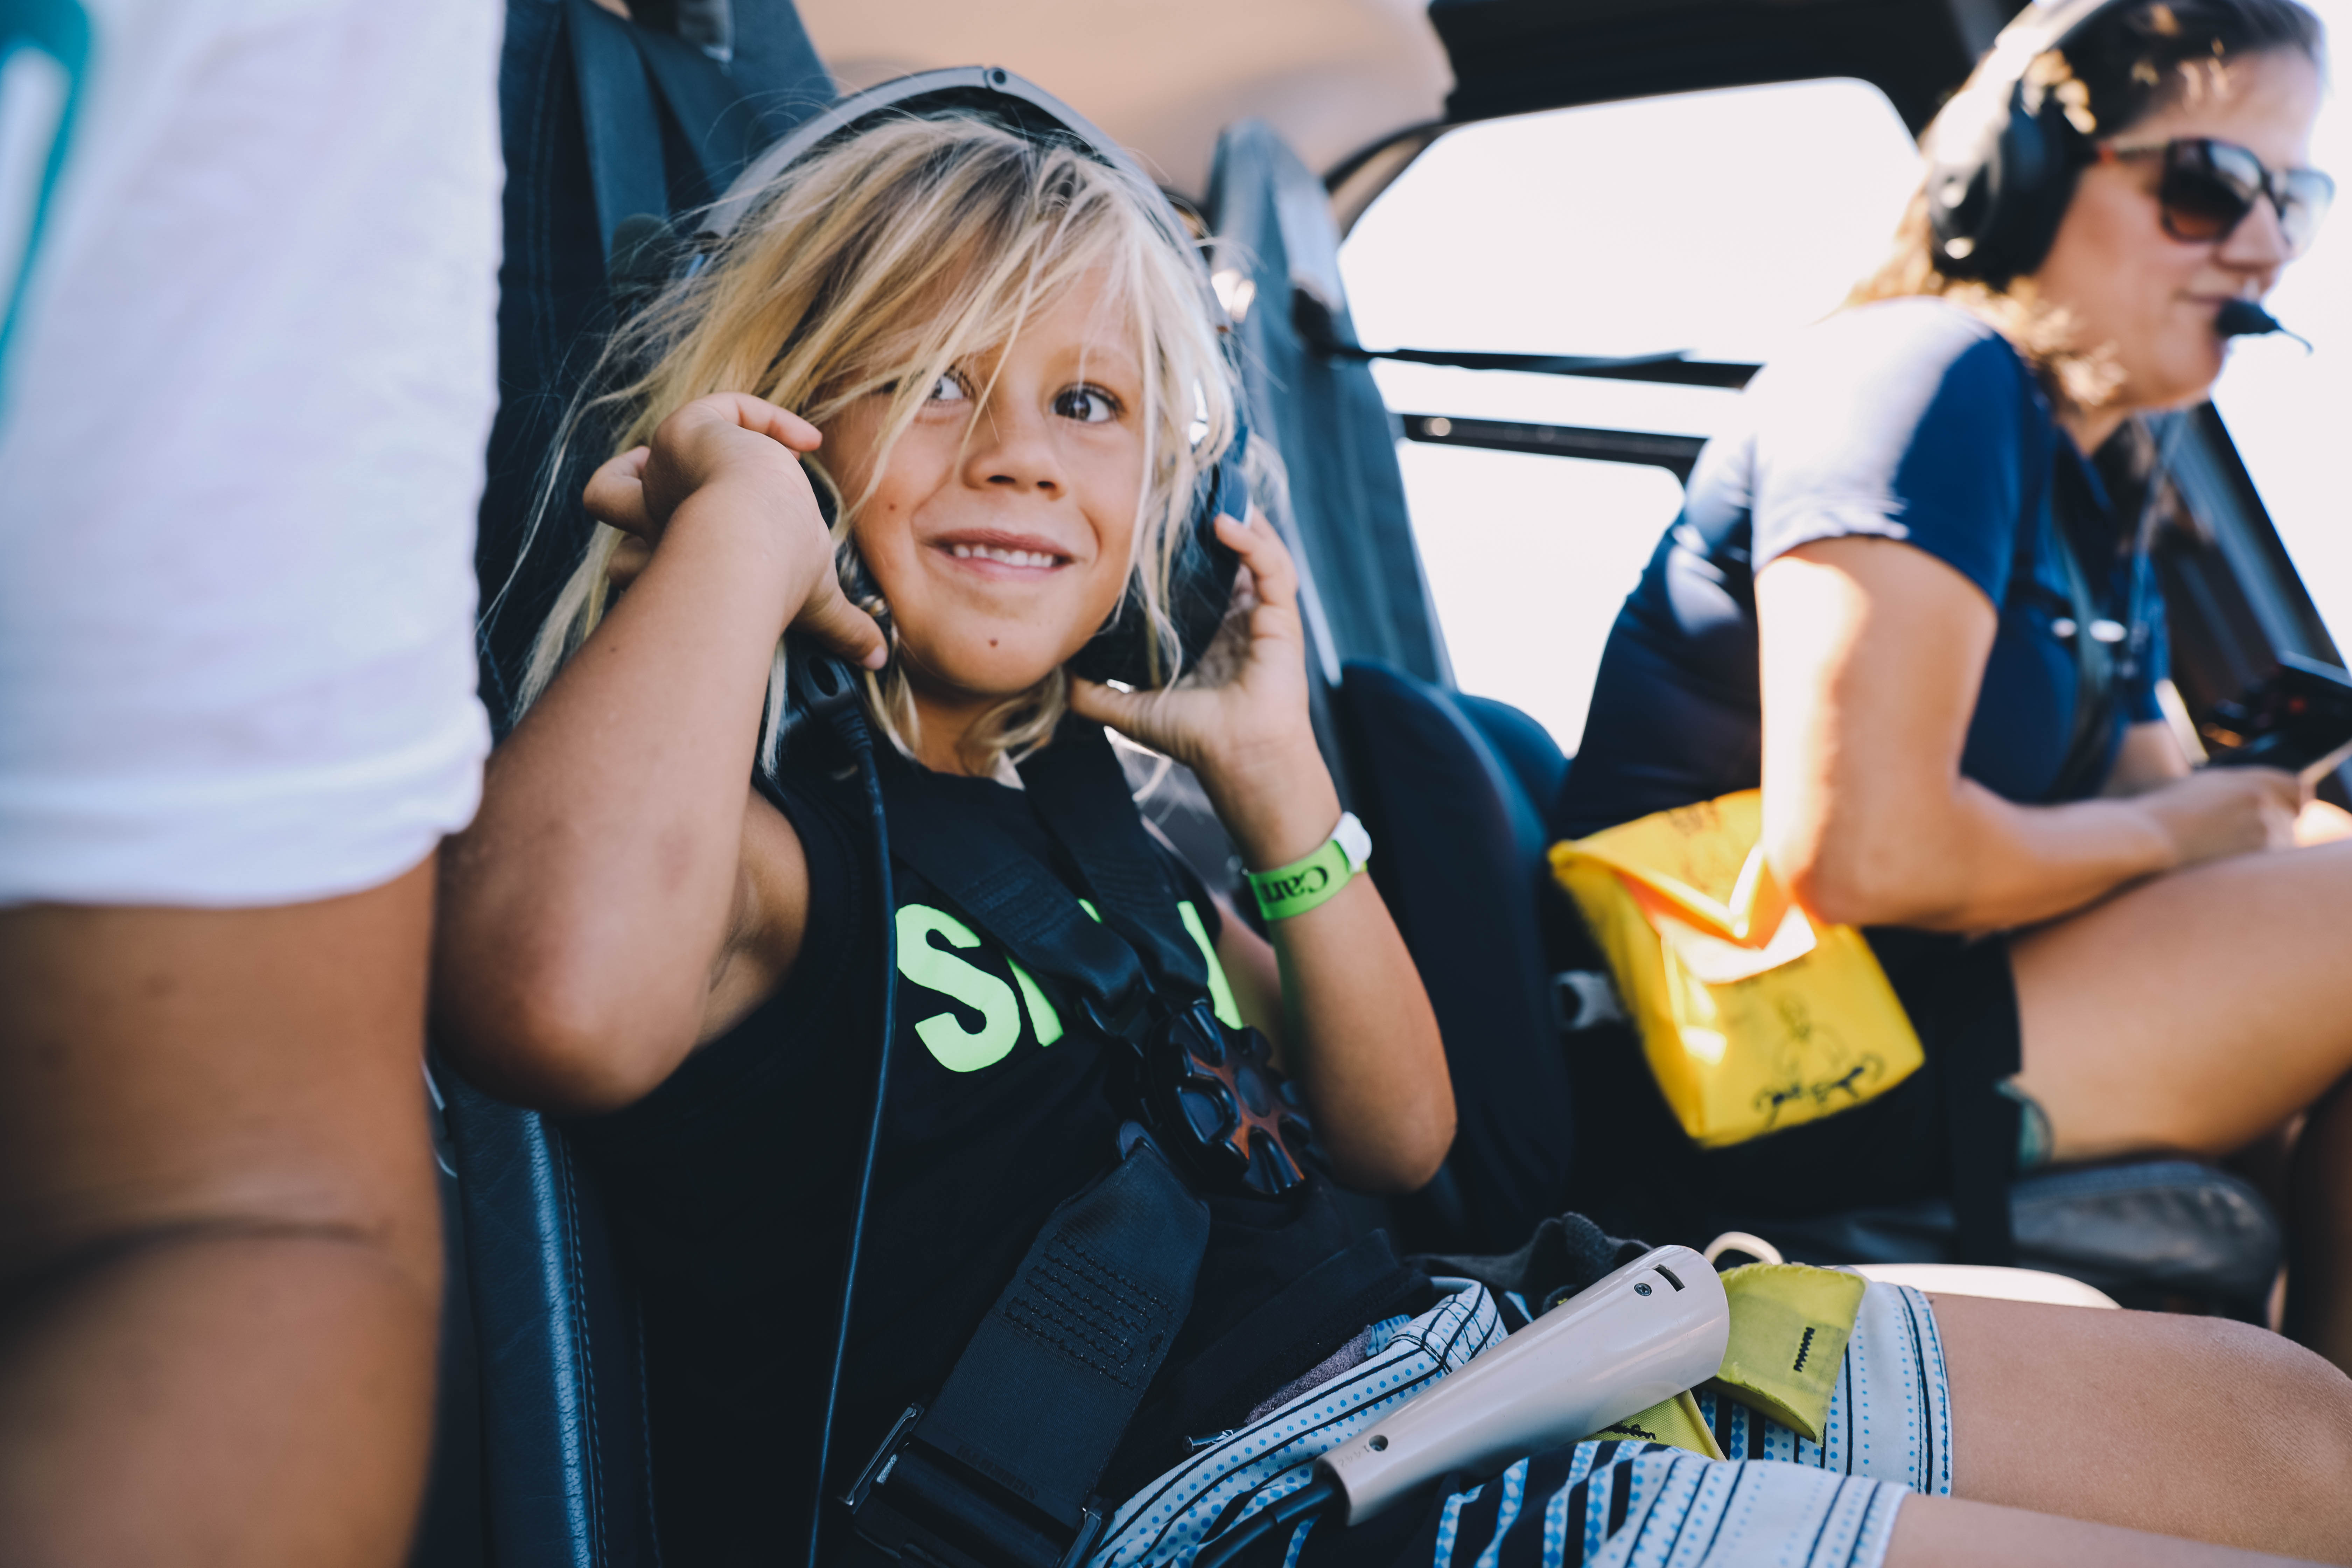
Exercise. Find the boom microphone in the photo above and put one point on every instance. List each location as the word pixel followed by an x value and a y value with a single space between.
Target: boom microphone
pixel 2244 319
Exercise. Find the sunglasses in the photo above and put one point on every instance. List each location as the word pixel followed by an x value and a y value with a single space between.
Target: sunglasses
pixel 2209 187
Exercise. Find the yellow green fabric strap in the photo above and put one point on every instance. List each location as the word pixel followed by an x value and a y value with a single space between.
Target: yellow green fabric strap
pixel 1307 882
pixel 1677 1421
pixel 1789 1324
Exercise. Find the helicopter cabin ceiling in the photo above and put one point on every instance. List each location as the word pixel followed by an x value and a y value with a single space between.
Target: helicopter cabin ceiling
pixel 1511 57
pixel 1164 77
pixel 1339 78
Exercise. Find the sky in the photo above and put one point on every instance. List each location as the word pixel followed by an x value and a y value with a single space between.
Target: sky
pixel 1718 222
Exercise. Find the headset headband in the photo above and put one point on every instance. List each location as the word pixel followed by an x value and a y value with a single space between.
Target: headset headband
pixel 991 89
pixel 1977 112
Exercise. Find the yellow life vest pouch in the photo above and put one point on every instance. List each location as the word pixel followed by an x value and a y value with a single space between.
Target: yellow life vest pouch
pixel 1753 1017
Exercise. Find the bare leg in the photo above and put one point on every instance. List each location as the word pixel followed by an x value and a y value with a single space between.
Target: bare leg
pixel 2195 1427
pixel 1947 1533
pixel 220 1255
pixel 2199 1012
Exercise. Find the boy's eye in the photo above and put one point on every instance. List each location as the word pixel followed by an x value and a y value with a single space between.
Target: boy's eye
pixel 949 388
pixel 1087 404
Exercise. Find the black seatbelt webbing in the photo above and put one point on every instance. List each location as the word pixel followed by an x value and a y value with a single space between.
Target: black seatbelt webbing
pixel 1004 890
pixel 999 1470
pixel 1081 797
pixel 1002 1468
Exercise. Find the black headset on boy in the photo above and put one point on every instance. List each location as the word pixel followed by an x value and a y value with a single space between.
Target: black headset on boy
pixel 1204 1099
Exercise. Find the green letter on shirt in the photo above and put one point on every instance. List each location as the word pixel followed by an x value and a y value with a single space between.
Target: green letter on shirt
pixel 958 1049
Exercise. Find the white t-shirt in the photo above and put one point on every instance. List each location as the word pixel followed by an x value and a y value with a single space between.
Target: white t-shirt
pixel 243 409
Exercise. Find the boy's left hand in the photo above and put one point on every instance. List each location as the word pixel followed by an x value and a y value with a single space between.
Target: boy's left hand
pixel 1240 719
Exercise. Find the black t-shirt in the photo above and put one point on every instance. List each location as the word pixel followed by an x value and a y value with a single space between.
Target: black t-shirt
pixel 729 1187
pixel 1911 420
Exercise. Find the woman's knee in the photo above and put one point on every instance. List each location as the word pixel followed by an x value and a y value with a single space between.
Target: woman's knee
pixel 2194 1426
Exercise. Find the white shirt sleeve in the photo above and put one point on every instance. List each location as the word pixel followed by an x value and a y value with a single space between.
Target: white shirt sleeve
pixel 241 418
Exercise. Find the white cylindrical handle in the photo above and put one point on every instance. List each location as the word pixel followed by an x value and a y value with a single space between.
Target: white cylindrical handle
pixel 1641 1336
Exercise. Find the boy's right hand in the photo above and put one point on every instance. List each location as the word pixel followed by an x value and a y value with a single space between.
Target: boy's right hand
pixel 741 450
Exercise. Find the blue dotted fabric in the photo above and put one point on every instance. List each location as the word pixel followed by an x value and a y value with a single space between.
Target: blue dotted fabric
pixel 1778 1498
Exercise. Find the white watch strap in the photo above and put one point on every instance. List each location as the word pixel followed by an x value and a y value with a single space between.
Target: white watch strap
pixel 1354 842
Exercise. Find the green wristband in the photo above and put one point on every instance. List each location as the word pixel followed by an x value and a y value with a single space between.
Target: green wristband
pixel 1305 883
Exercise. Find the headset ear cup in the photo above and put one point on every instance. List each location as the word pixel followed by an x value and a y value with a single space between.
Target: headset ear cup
pixel 1982 234
pixel 1963 193
pixel 2043 196
pixel 2000 180
pixel 1996 215
pixel 1199 588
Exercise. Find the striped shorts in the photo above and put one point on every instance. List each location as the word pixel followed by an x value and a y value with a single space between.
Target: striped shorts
pixel 1777 1500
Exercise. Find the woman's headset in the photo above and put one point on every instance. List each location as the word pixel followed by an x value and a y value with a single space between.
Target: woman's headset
pixel 1200 582
pixel 2002 157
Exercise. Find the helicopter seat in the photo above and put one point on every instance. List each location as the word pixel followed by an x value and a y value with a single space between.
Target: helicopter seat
pixel 566 1463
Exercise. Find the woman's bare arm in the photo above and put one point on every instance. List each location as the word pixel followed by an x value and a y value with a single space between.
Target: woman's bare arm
pixel 1872 653
pixel 2149 759
pixel 601 899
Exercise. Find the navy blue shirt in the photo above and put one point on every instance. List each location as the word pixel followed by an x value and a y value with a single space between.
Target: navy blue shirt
pixel 1911 420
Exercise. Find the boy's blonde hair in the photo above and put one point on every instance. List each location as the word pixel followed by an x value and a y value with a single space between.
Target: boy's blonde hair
pixel 873 266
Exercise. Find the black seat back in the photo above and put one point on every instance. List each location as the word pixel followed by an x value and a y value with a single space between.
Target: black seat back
pixel 1458 838
pixel 602 118
pixel 566 1469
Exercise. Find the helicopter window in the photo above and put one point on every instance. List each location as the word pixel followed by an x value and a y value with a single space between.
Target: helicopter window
pixel 1715 222
pixel 2284 408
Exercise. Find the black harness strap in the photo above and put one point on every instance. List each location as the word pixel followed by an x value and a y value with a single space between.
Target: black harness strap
pixel 1082 801
pixel 999 1470
pixel 1083 797
pixel 1018 900
pixel 1002 1468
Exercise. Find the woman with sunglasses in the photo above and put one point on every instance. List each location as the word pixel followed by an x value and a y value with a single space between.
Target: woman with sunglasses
pixel 1930 493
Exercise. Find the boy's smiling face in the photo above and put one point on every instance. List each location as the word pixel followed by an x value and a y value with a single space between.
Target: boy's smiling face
pixel 1002 527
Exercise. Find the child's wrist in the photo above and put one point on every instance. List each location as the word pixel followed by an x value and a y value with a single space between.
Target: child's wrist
pixel 1277 813
pixel 740 523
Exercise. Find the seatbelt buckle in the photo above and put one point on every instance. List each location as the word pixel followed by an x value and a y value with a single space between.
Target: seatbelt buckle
pixel 919 1505
pixel 878 1468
